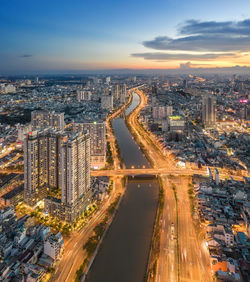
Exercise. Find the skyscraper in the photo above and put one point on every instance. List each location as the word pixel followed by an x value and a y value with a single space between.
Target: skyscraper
pixel 43 119
pixel 41 153
pixel 53 159
pixel 119 92
pixel 208 111
pixel 74 165
pixel 97 131
pixel 107 102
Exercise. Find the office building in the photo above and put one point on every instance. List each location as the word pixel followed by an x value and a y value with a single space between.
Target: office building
pixel 208 111
pixel 44 119
pixel 97 133
pixel 58 161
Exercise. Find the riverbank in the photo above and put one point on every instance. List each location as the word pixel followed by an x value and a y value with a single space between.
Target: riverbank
pixel 123 256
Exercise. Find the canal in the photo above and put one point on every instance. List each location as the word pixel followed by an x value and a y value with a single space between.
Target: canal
pixel 124 253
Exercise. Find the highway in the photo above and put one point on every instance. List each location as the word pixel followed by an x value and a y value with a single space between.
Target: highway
pixel 182 254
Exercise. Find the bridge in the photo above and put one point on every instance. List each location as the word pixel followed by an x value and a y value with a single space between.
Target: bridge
pixel 158 171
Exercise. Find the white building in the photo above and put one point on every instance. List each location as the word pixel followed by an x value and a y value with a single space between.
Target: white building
pixel 53 245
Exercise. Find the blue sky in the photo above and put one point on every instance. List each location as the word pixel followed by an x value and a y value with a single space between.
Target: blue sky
pixel 46 36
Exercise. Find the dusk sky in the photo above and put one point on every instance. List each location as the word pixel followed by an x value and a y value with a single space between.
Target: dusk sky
pixel 46 36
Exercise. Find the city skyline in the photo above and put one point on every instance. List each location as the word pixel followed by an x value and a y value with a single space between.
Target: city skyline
pixel 45 37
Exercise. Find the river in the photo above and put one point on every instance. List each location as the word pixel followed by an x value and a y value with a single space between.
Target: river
pixel 124 253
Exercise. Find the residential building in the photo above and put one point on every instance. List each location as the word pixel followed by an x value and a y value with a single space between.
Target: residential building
pixel 43 119
pixel 208 111
pixel 61 160
pixel 83 95
pixel 97 131
pixel 41 152
pixel 107 102
pixel 119 92
pixel 53 245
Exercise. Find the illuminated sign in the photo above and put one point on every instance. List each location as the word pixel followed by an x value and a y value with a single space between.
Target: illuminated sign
pixel 175 117
pixel 243 101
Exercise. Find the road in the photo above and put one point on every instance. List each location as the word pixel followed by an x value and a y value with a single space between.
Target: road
pixel 73 248
pixel 182 255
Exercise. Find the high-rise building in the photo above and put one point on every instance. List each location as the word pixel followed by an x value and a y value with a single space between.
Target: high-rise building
pixel 74 165
pixel 123 95
pixel 83 95
pixel 185 84
pixel 41 153
pixel 119 92
pixel 159 112
pixel 133 79
pixel 154 89
pixel 108 79
pixel 208 111
pixel 44 119
pixel 97 132
pixel 107 102
pixel 57 160
pixel 169 110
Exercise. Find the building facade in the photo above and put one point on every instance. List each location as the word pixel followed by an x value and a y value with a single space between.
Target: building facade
pixel 208 111
pixel 58 161
pixel 83 95
pixel 43 119
pixel 97 132
pixel 107 102
pixel 119 92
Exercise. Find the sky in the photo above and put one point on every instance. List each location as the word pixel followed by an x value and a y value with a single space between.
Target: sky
pixel 60 35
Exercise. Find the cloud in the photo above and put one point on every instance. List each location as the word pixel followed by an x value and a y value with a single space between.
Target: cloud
pixel 209 36
pixel 189 65
pixel 241 28
pixel 25 56
pixel 185 66
pixel 160 56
